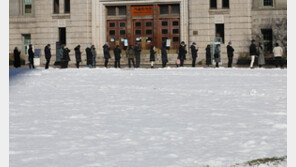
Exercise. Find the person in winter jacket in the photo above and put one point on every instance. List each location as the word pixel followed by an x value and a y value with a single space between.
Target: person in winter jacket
pixel 94 56
pixel 152 55
pixel 89 58
pixel 66 58
pixel 261 58
pixel 208 55
pixel 278 54
pixel 31 57
pixel 253 53
pixel 194 51
pixel 16 58
pixel 47 55
pixel 117 56
pixel 230 51
pixel 217 55
pixel 130 55
pixel 182 53
pixel 77 55
pixel 107 56
pixel 138 55
pixel 164 55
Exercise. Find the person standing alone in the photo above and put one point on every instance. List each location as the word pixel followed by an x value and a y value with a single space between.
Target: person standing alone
pixel 253 53
pixel 47 55
pixel 117 56
pixel 31 57
pixel 194 51
pixel 230 51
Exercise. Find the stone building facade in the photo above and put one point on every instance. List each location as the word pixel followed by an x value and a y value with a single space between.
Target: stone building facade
pixel 88 22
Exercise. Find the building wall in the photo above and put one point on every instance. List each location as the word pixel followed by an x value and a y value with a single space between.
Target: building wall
pixel 86 24
pixel 274 18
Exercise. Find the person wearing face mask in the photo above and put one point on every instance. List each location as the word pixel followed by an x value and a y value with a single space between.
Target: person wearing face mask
pixel 230 51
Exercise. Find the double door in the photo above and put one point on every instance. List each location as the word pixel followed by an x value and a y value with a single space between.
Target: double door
pixel 116 33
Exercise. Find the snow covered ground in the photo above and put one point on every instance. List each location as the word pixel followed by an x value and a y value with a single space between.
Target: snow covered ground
pixel 147 117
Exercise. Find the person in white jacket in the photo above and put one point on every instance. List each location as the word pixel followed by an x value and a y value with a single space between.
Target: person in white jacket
pixel 278 54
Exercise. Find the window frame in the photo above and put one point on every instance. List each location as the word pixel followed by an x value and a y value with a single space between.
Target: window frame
pixel 210 5
pixel 58 9
pixel 65 7
pixel 24 7
pixel 225 7
pixel 268 6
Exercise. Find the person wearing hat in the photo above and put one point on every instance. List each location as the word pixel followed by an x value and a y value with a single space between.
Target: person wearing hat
pixel 230 51
pixel 194 51
pixel 253 53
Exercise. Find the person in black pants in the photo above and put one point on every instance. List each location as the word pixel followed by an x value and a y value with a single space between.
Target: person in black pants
pixel 77 55
pixel 138 55
pixel 47 55
pixel 194 51
pixel 16 58
pixel 107 56
pixel 130 54
pixel 182 53
pixel 230 51
pixel 117 53
pixel 31 57
pixel 164 55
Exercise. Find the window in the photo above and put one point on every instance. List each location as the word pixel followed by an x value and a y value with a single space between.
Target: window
pixel 267 2
pixel 225 3
pixel 175 9
pixel 164 31
pixel 138 32
pixel 62 35
pixel 148 32
pixel 164 23
pixel 138 24
pixel 175 31
pixel 111 11
pixel 164 39
pixel 175 39
pixel 111 24
pixel 122 24
pixel 122 32
pixel 220 31
pixel 27 6
pixel 164 9
pixel 148 24
pixel 67 6
pixel 56 6
pixel 112 32
pixel 122 10
pixel 26 42
pixel 213 4
pixel 267 39
pixel 175 23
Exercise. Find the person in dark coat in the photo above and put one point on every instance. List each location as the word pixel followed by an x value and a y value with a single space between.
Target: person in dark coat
pixel 66 58
pixel 77 55
pixel 182 53
pixel 164 55
pixel 47 55
pixel 217 55
pixel 230 51
pixel 130 54
pixel 138 55
pixel 208 55
pixel 88 57
pixel 94 56
pixel 253 53
pixel 261 58
pixel 16 58
pixel 107 56
pixel 152 55
pixel 31 57
pixel 117 56
pixel 194 51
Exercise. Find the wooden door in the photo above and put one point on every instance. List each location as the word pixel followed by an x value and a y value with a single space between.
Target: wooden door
pixel 116 33
pixel 169 29
pixel 143 33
